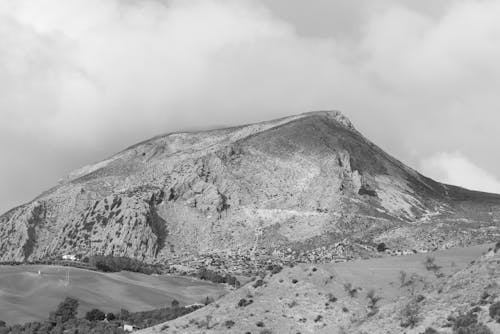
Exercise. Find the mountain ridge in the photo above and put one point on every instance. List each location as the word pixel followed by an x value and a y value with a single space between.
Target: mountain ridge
pixel 299 187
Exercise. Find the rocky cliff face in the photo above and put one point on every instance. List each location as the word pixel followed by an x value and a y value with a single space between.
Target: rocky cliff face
pixel 288 186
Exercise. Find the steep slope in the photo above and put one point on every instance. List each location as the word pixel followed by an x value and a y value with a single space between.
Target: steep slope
pixel 313 298
pixel 305 187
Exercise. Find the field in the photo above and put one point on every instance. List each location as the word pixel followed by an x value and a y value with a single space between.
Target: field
pixel 26 295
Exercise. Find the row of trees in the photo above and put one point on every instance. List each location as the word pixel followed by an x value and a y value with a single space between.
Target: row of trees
pixel 64 320
pixel 109 263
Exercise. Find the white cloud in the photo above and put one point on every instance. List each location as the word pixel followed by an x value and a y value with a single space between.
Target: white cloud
pixel 454 168
pixel 81 79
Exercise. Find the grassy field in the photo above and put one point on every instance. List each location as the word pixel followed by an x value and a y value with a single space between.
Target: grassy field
pixel 25 295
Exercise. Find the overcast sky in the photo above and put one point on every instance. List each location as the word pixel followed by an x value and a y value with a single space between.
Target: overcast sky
pixel 83 79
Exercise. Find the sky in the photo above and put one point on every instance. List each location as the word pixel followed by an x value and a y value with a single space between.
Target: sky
pixel 83 79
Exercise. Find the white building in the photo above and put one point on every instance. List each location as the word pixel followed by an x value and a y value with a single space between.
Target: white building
pixel 129 328
pixel 69 257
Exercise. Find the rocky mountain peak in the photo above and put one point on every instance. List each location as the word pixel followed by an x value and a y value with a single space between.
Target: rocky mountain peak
pixel 308 186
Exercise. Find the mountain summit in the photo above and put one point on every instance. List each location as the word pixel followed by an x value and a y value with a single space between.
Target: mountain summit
pixel 302 186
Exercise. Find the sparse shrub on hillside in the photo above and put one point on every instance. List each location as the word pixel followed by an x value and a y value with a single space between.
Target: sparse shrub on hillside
pixel 497 247
pixel 410 314
pixel 468 324
pixel 351 291
pixel 494 311
pixel 295 281
pixel 95 315
pixel 274 268
pixel 229 324
pixel 244 302
pixel 332 298
pixel 260 324
pixel 430 330
pixel 431 265
pixel 3 323
pixel 258 283
pixel 381 247
pixel 372 302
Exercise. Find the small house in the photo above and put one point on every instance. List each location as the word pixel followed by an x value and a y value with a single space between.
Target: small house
pixel 130 328
pixel 69 257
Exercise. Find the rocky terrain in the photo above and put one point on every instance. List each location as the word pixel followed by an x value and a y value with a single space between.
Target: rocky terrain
pixel 454 291
pixel 307 188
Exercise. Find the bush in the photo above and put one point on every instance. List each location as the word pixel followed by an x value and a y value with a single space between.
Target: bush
pixel 243 302
pixel 381 247
pixel 495 311
pixel 110 316
pixel 215 277
pixel 95 315
pixel 66 311
pixel 229 324
pixel 351 291
pixel 430 330
pixel 409 314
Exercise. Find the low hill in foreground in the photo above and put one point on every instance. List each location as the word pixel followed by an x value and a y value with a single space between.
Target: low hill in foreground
pixel 450 290
pixel 27 296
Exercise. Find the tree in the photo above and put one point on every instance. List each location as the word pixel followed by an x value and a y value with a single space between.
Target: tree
pixel 381 247
pixel 175 303
pixel 95 315
pixel 110 316
pixel 66 310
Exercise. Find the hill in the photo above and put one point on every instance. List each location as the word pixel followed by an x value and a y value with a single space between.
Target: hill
pixel 27 296
pixel 307 188
pixel 364 296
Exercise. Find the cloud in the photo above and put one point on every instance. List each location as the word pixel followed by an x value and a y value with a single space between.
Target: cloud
pixel 81 79
pixel 454 168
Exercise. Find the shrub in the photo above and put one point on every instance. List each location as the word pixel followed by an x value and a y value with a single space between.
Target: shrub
pixel 372 302
pixel 274 268
pixel 110 316
pixel 409 314
pixel 430 330
pixel 495 311
pixel 260 324
pixel 258 283
pixel 95 315
pixel 332 298
pixel 381 247
pixel 351 291
pixel 467 324
pixel 175 303
pixel 65 311
pixel 430 264
pixel 243 302
pixel 229 324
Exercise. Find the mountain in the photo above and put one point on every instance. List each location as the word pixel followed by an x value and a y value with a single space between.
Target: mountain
pixel 308 187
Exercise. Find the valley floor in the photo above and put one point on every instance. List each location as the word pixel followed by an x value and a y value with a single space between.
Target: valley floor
pixel 26 295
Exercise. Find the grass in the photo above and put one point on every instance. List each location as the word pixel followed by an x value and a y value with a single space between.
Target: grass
pixel 26 296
